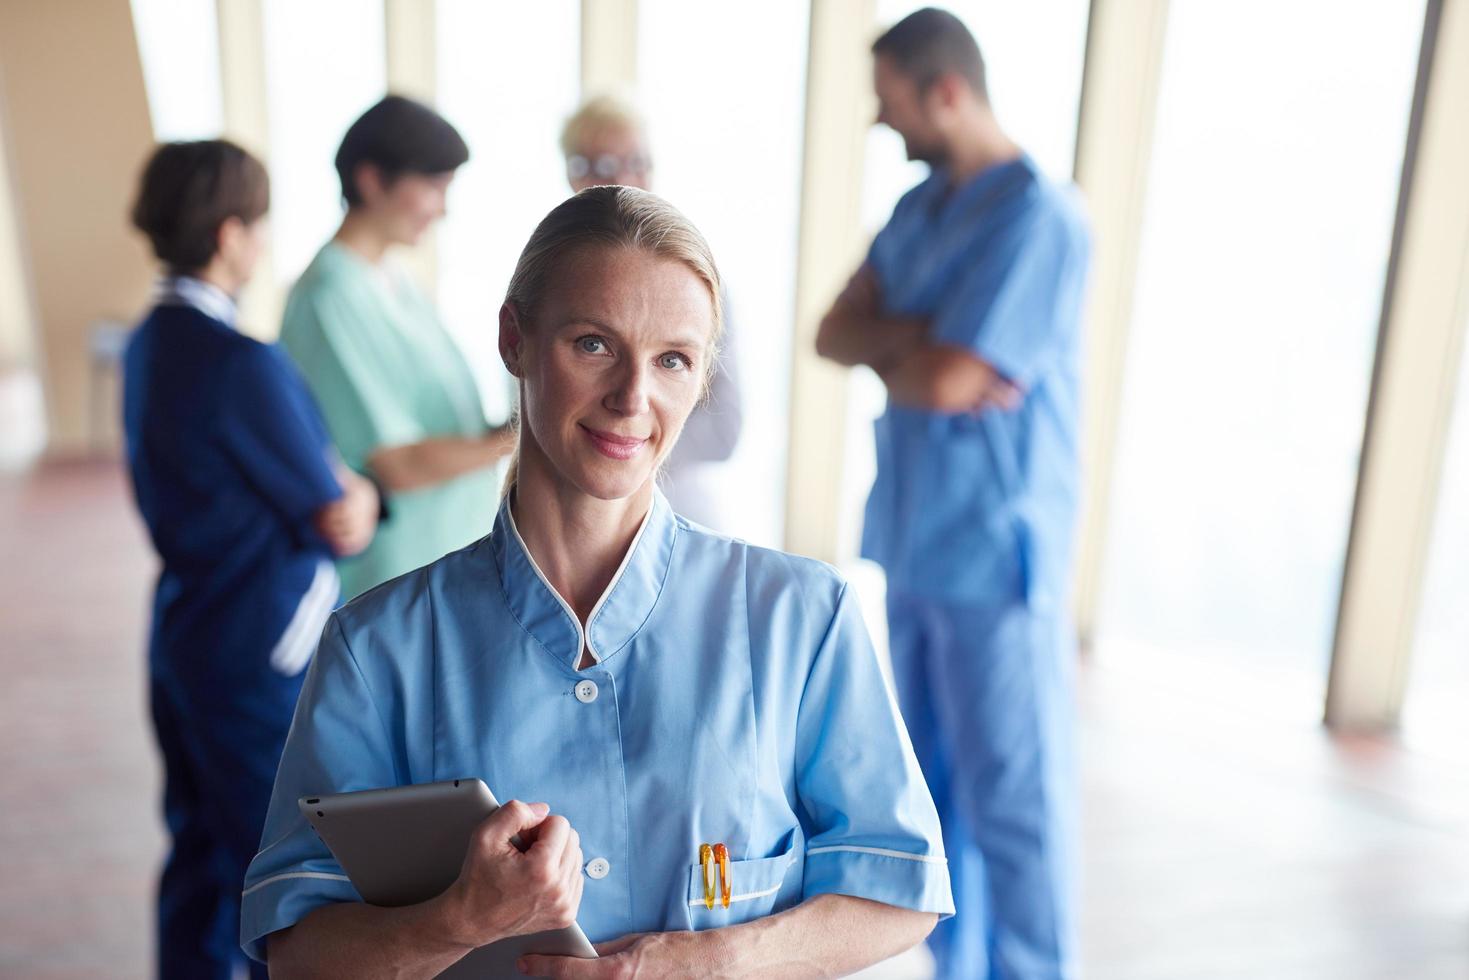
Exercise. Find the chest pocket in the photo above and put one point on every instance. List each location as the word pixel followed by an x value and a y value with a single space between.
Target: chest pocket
pixel 756 885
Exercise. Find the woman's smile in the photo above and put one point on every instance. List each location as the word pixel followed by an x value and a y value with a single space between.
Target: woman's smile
pixel 611 444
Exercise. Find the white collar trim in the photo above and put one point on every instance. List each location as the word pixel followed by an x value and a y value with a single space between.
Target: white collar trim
pixel 205 297
pixel 581 631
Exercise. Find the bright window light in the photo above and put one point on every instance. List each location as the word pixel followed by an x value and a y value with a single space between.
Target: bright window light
pixel 725 123
pixel 178 42
pixel 1434 716
pixel 324 66
pixel 508 77
pixel 1268 224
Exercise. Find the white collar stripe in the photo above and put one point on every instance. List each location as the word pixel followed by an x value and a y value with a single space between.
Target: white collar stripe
pixel 205 297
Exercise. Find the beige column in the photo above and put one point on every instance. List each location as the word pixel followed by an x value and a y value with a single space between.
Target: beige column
pixel 412 48
pixel 242 84
pixel 17 341
pixel 609 45
pixel 1425 310
pixel 78 131
pixel 1124 61
pixel 22 408
pixel 839 109
pixel 412 70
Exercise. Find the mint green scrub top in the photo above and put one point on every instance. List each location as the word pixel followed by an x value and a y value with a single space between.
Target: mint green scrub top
pixel 386 374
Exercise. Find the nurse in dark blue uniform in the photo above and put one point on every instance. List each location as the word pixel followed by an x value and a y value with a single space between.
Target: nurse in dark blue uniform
pixel 246 505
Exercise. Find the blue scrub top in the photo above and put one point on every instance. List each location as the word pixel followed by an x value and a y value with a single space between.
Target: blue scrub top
pixel 976 508
pixel 735 698
pixel 230 462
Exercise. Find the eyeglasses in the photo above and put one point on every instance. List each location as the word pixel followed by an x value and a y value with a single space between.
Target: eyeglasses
pixel 606 166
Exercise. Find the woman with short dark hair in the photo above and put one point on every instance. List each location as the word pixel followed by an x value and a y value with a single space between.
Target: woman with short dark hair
pixel 246 503
pixel 398 397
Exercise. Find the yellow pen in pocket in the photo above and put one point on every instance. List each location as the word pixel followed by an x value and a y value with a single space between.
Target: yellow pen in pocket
pixel 706 854
pixel 726 879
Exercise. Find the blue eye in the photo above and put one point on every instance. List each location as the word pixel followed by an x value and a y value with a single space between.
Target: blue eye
pixel 675 362
pixel 591 345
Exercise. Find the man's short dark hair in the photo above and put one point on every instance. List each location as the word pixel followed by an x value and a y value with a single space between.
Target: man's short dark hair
pixel 188 190
pixel 929 43
pixel 398 136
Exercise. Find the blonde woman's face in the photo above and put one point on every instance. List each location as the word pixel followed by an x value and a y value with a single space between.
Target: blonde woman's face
pixel 612 366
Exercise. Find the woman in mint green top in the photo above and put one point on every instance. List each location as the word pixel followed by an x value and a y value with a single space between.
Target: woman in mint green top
pixel 396 393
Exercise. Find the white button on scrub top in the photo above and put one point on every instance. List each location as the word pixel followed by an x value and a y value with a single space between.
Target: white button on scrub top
pixel 586 692
pixel 598 868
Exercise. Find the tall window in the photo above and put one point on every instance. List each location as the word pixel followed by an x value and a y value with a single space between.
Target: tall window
pixel 324 66
pixel 178 43
pixel 1434 716
pixel 726 129
pixel 1265 242
pixel 1034 55
pixel 508 76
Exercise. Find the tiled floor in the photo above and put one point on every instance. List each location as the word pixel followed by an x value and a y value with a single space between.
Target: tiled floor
pixel 1220 842
pixel 80 837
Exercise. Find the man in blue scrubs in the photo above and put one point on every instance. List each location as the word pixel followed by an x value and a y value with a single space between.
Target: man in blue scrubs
pixel 967 307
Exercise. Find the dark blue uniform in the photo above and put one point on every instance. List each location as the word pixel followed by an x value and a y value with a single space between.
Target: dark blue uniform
pixel 230 462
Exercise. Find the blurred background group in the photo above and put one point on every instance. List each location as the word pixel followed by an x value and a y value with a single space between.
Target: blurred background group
pixel 1272 557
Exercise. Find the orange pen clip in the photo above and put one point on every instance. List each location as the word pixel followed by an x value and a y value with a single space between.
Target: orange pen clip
pixel 705 854
pixel 726 883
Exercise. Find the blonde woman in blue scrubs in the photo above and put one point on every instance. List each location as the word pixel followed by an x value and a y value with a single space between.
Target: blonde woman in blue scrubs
pixel 657 685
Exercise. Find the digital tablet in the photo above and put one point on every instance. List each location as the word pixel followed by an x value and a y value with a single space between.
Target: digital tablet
pixel 406 844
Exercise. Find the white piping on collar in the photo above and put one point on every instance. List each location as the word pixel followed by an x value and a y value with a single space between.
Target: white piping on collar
pixel 584 641
pixel 203 296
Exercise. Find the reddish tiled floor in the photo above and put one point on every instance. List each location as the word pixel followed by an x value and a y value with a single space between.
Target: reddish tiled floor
pixel 80 836
pixel 1219 843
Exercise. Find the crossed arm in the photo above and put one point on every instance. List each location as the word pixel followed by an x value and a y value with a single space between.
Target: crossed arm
pixel 349 522
pixel 824 936
pixel 504 892
pixel 918 372
pixel 438 459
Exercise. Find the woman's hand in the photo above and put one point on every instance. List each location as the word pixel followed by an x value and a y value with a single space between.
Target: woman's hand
pixel 646 955
pixel 349 522
pixel 502 891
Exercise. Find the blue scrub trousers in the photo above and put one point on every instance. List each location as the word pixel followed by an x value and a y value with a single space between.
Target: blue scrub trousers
pixel 220 752
pixel 987 694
